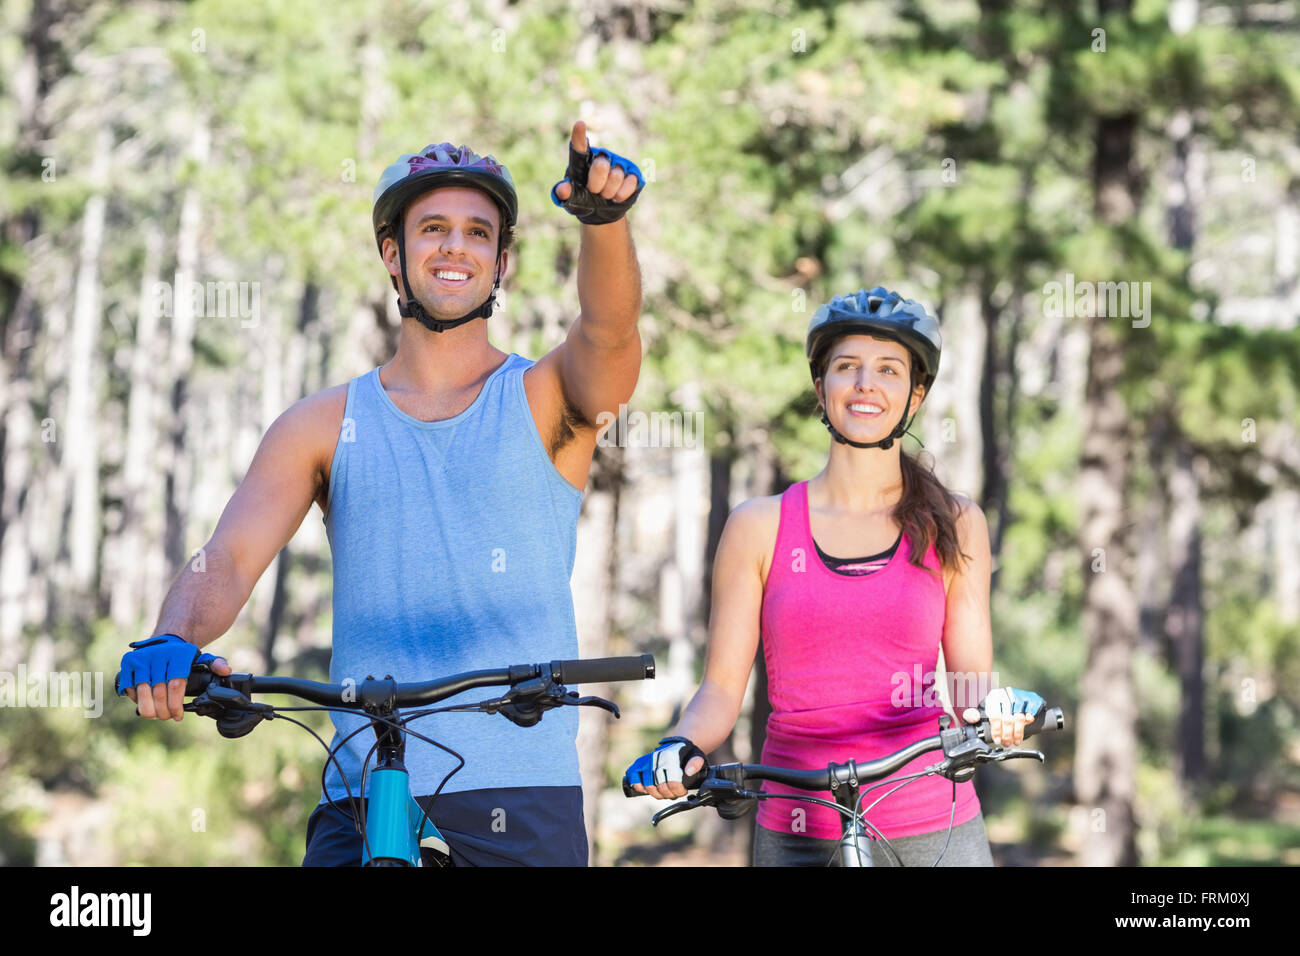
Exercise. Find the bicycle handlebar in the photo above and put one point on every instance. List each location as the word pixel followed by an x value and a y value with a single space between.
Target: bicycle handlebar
pixel 870 772
pixel 358 694
pixel 852 772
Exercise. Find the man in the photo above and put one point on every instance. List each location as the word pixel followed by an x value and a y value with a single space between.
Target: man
pixel 449 480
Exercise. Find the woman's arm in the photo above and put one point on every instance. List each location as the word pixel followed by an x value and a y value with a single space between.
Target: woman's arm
pixel 967 631
pixel 733 631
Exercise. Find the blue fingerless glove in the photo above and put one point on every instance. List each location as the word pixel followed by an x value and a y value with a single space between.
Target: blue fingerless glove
pixel 158 660
pixel 592 209
pixel 1009 701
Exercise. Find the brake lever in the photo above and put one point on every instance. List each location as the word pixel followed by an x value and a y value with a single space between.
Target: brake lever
pixel 600 702
pixel 234 713
pixel 725 796
pixel 690 803
pixel 216 699
pixel 1000 755
pixel 525 705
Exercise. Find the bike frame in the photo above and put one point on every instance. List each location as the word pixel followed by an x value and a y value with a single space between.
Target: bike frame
pixel 855 845
pixel 392 816
pixel 393 830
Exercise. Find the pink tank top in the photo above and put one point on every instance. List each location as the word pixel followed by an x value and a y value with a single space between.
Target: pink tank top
pixel 849 661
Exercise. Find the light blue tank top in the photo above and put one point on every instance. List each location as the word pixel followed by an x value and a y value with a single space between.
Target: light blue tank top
pixel 453 545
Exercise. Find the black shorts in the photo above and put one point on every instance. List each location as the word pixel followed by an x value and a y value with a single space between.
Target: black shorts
pixel 506 826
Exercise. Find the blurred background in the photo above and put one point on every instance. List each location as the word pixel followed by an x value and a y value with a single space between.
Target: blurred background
pixel 1134 450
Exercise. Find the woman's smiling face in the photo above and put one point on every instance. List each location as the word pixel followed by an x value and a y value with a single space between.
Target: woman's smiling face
pixel 864 386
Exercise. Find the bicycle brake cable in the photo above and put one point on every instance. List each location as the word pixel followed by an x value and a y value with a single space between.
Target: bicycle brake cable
pixel 356 814
pixel 818 801
pixel 331 755
pixel 426 812
pixel 861 813
pixel 952 815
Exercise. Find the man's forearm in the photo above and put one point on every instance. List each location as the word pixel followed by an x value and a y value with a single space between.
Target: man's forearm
pixel 609 283
pixel 204 599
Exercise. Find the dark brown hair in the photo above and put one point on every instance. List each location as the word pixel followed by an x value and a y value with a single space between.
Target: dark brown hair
pixel 927 510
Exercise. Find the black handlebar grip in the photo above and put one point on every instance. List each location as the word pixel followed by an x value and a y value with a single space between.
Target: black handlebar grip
pixel 600 670
pixel 200 678
pixel 692 781
pixel 1052 719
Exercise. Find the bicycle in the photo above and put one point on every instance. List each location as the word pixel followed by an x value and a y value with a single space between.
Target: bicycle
pixel 964 747
pixel 393 826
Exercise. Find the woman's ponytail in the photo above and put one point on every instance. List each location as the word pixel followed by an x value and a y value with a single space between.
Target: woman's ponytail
pixel 927 512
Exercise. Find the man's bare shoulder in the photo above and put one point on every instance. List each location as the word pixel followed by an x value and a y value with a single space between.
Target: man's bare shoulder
pixel 328 403
pixel 310 427
pixel 316 418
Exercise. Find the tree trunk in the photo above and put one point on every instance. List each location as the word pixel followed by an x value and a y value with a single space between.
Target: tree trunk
pixel 1285 503
pixel 687 634
pixel 954 435
pixel 1106 764
pixel 128 565
pixel 720 461
pixel 180 359
pixel 1184 620
pixel 29 87
pixel 1107 743
pixel 993 494
pixel 595 582
pixel 17 435
pixel 1153 568
pixel 81 431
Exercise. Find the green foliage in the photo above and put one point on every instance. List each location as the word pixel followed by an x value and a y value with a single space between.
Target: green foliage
pixel 797 152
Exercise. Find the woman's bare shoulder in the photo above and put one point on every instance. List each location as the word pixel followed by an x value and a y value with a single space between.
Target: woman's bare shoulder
pixel 757 515
pixel 970 521
pixel 750 535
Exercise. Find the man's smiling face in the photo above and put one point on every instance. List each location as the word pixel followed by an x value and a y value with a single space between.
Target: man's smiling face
pixel 451 250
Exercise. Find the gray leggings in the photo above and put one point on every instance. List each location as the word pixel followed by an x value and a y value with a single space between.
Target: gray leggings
pixel 969 846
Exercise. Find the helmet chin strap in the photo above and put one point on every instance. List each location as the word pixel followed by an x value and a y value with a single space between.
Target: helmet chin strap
pixel 413 309
pixel 885 443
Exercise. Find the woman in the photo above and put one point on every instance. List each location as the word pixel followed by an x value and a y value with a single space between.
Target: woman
pixel 846 637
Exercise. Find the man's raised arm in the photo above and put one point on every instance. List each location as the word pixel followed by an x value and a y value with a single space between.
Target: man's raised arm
pixel 600 359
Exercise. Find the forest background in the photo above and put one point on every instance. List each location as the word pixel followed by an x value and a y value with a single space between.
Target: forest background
pixel 1135 451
